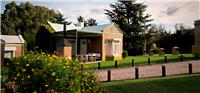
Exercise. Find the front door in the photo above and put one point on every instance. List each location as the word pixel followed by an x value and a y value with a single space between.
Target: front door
pixel 83 46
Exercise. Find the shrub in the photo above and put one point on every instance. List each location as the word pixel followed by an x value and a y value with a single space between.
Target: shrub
pixel 151 52
pixel 161 51
pixel 124 54
pixel 39 73
pixel 175 50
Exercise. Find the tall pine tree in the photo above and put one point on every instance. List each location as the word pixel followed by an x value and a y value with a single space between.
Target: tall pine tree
pixel 131 19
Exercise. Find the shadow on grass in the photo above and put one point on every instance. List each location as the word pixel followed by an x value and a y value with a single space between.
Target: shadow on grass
pixel 172 84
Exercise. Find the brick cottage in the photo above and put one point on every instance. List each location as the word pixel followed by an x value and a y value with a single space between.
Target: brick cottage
pixel 11 46
pixel 104 42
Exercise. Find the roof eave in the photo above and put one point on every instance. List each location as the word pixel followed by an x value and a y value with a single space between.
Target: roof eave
pixel 90 31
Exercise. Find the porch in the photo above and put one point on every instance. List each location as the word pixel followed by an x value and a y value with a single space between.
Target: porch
pixel 83 45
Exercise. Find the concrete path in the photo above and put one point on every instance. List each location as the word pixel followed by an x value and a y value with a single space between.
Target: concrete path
pixel 172 68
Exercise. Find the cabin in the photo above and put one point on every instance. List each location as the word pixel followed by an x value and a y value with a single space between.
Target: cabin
pixel 91 43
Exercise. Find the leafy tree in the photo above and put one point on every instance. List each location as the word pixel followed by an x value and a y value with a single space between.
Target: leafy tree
pixel 44 40
pixel 80 19
pixel 91 22
pixel 131 19
pixel 183 38
pixel 59 18
pixel 28 18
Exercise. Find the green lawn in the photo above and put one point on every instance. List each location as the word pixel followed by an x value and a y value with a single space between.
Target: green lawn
pixel 172 84
pixel 140 60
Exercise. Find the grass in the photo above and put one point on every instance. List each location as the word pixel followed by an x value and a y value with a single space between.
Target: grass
pixel 171 84
pixel 140 60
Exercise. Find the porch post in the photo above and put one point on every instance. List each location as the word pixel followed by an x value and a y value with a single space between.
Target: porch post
pixel 76 42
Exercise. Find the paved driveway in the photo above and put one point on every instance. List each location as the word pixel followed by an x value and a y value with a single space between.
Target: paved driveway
pixel 173 68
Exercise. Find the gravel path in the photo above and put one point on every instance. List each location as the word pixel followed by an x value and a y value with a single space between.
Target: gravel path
pixel 173 68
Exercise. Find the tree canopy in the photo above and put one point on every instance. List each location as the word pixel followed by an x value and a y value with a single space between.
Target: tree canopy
pixel 89 22
pixel 28 18
pixel 131 19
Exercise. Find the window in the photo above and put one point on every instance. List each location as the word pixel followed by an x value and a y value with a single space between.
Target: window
pixel 8 54
pixel 109 50
pixel 116 48
pixel 113 48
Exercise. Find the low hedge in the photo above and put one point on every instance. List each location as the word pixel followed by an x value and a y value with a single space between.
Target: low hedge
pixel 124 54
pixel 44 73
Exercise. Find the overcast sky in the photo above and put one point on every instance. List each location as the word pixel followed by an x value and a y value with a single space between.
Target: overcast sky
pixel 166 12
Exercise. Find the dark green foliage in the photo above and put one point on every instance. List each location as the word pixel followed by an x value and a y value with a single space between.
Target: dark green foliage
pixel 80 19
pixel 91 22
pixel 131 19
pixel 28 18
pixel 45 41
pixel 125 53
pixel 184 39
pixel 44 73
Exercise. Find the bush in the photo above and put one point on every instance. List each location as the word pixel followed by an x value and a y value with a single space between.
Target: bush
pixel 151 52
pixel 41 73
pixel 124 54
pixel 161 51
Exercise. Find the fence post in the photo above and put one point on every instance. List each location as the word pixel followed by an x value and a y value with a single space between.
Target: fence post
pixel 109 75
pixel 115 64
pixel 99 64
pixel 190 68
pixel 149 61
pixel 163 71
pixel 197 56
pixel 165 59
pixel 181 57
pixel 132 62
pixel 136 73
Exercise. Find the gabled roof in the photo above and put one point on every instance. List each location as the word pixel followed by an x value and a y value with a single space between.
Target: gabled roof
pixel 59 27
pixel 12 39
pixel 97 28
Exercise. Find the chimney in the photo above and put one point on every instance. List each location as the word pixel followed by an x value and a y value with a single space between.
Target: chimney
pixel 81 24
pixel 64 29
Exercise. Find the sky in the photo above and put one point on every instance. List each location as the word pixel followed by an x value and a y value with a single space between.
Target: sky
pixel 165 12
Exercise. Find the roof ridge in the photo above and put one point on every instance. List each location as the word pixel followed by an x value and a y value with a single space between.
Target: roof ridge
pixel 98 25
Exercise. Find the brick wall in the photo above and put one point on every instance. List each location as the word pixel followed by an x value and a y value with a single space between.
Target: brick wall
pixel 111 33
pixel 19 49
pixel 65 51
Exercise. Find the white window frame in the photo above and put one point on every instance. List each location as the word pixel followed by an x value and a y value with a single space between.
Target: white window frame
pixel 116 43
pixel 113 45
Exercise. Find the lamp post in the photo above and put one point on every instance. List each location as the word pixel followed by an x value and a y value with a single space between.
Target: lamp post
pixel 145 42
